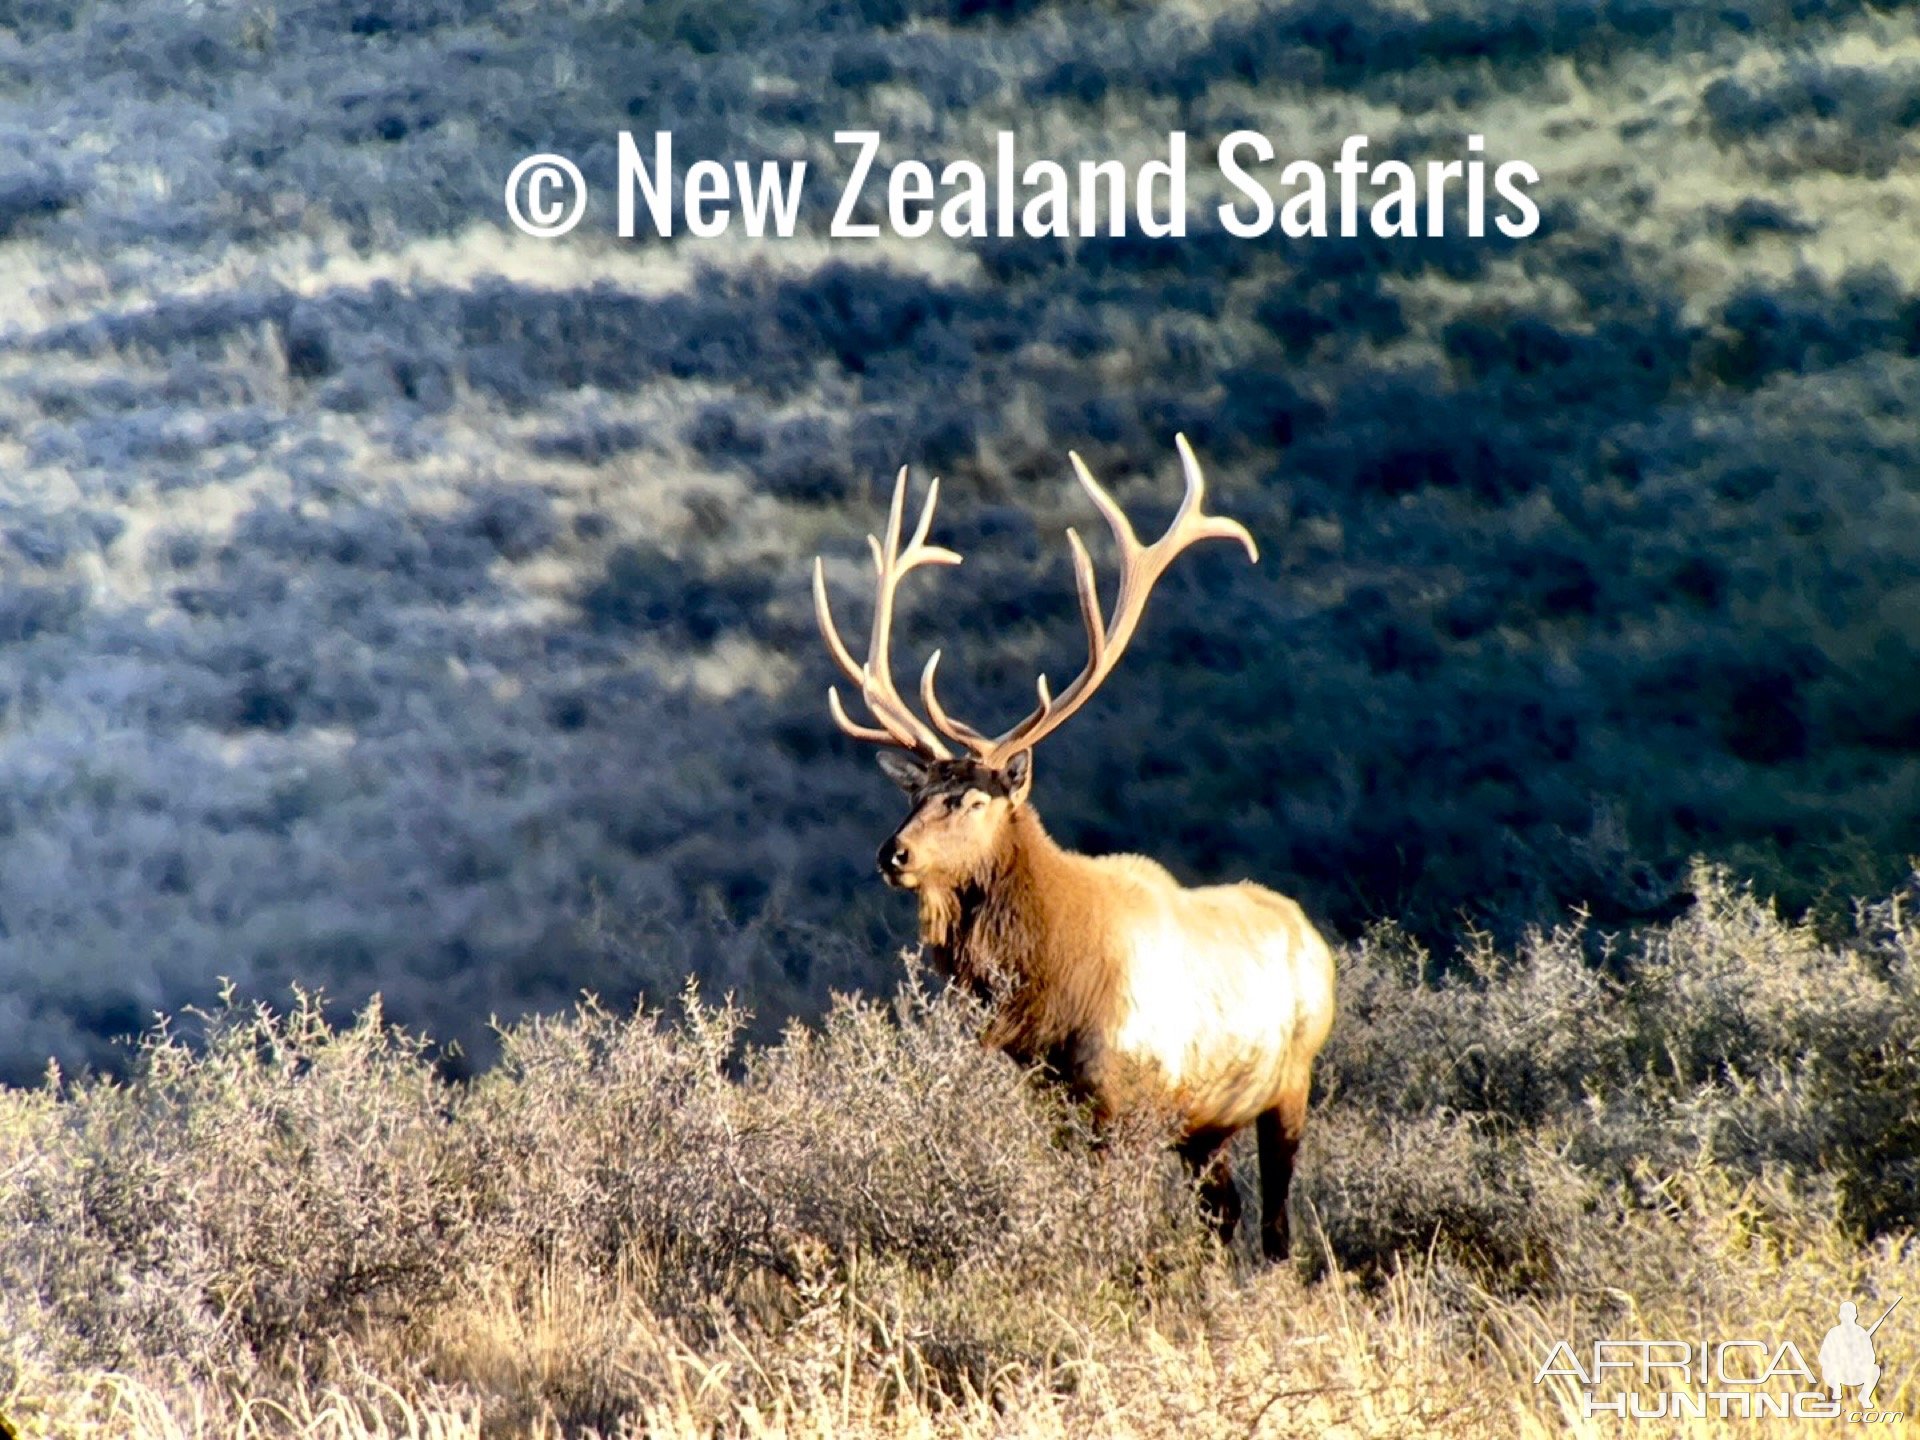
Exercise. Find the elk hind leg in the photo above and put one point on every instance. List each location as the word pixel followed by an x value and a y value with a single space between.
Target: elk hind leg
pixel 1279 1130
pixel 1205 1152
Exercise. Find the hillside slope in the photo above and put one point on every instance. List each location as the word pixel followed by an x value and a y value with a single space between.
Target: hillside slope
pixel 393 602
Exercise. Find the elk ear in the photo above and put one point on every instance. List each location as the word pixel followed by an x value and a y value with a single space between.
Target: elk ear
pixel 905 771
pixel 1018 773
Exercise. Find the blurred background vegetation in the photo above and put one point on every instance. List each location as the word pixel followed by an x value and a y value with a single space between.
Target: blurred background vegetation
pixel 389 602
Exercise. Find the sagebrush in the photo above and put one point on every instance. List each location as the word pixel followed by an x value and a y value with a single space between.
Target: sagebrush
pixel 636 1224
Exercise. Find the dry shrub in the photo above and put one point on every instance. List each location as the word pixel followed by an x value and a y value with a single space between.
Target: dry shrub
pixel 1441 1187
pixel 641 1225
pixel 247 1199
pixel 886 1156
pixel 1524 1115
pixel 888 1134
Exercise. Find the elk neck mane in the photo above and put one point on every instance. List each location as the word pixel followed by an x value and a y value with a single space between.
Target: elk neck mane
pixel 1029 928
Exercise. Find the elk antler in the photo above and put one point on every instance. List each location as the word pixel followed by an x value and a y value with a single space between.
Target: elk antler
pixel 898 724
pixel 1140 567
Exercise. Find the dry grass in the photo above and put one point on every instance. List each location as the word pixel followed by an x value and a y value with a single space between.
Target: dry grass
pixel 637 1226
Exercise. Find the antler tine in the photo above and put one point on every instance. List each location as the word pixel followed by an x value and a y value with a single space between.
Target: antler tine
pixel 957 730
pixel 823 617
pixel 925 524
pixel 1140 568
pixel 982 745
pixel 853 727
pixel 898 724
pixel 1209 527
pixel 895 731
pixel 1084 587
pixel 896 509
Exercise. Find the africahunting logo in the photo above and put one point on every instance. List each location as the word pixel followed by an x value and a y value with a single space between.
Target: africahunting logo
pixel 1729 1379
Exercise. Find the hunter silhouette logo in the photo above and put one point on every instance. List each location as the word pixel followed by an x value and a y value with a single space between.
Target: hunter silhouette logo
pixel 1728 1378
pixel 1846 1355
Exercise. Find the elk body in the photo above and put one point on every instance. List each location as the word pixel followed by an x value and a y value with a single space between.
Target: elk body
pixel 1206 1003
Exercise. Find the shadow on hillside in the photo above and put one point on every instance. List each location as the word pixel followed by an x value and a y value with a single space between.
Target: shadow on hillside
pixel 1583 592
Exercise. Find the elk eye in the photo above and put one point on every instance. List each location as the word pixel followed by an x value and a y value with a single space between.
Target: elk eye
pixel 976 800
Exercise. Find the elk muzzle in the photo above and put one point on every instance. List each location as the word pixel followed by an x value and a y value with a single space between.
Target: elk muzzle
pixel 895 860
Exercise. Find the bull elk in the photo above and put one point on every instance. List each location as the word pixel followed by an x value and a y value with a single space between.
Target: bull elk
pixel 1208 1003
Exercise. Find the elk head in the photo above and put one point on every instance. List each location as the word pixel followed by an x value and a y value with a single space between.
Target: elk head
pixel 963 803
